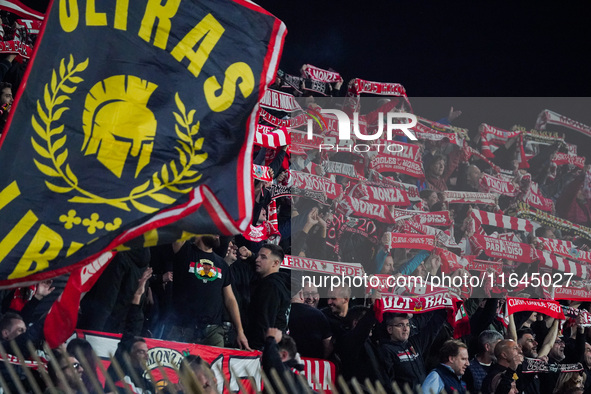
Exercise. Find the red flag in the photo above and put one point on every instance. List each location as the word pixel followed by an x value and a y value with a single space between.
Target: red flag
pixel 63 315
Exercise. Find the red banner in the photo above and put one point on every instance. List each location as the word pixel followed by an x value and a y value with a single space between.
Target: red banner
pixel 572 293
pixel 549 308
pixel 236 365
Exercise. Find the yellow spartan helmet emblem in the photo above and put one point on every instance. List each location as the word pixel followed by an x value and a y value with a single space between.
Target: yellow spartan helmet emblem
pixel 116 122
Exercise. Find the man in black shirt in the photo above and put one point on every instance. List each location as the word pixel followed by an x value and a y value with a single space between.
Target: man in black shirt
pixel 270 301
pixel 202 287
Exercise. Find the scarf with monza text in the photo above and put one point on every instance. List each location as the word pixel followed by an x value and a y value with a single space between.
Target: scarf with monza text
pixel 491 184
pixel 319 74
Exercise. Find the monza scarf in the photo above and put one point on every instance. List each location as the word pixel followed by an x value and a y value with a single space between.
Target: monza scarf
pixel 491 184
pixel 290 81
pixel 551 117
pixel 468 152
pixel 547 307
pixel 275 121
pixel 437 218
pixel 318 74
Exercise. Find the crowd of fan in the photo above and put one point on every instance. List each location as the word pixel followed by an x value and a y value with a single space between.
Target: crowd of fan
pixel 230 291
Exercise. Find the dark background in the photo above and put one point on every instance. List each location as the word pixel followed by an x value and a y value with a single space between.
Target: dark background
pixel 458 51
pixel 478 57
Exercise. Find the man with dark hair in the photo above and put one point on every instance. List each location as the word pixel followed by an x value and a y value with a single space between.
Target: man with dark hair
pixel 279 354
pixel 11 326
pixel 526 339
pixel 448 375
pixel 270 302
pixel 481 363
pixel 72 372
pixel 202 287
pixel 404 354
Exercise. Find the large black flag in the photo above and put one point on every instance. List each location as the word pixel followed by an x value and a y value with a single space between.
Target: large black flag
pixel 135 114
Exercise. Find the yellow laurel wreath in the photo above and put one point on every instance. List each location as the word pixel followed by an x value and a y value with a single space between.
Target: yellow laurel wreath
pixel 168 177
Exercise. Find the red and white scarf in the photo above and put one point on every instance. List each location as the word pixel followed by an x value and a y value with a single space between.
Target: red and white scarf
pixel 561 264
pixel 272 138
pixel 389 163
pixel 279 101
pixel 565 248
pixel 316 183
pixel 551 117
pixel 322 266
pixel 318 74
pixel 491 184
pixel 459 197
pixel 566 158
pixel 412 241
pixel 502 221
pixel 499 248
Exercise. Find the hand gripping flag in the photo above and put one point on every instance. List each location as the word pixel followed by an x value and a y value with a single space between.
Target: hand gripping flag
pixel 135 115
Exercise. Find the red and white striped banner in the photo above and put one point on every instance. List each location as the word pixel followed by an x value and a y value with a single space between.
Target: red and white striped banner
pixel 565 248
pixel 502 221
pixel 561 264
pixel 17 7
